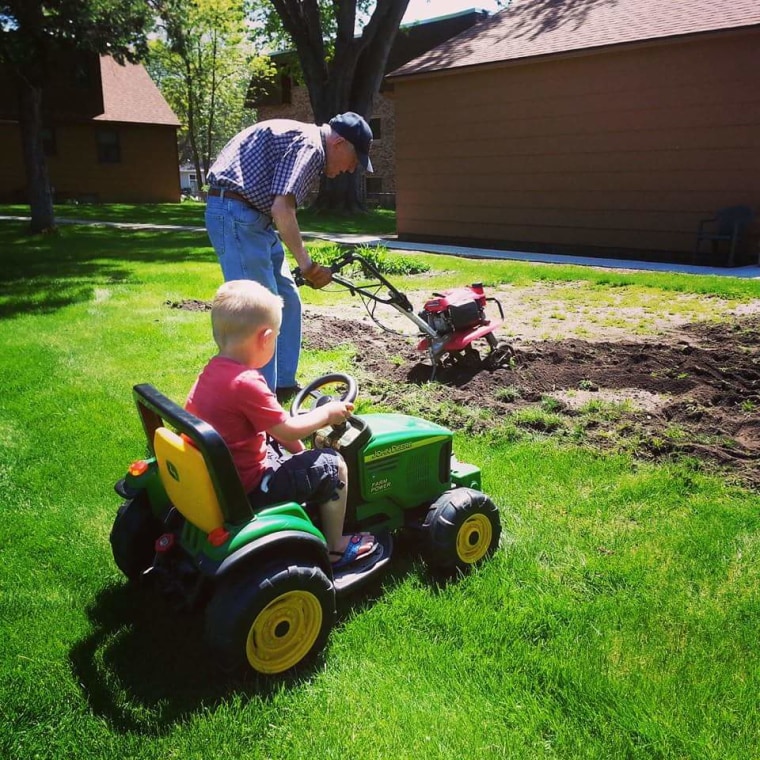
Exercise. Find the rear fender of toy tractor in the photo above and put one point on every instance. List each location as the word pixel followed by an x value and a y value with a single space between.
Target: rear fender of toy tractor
pixel 282 530
pixel 185 565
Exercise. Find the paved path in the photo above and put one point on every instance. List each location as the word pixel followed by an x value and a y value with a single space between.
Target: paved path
pixel 117 225
pixel 746 272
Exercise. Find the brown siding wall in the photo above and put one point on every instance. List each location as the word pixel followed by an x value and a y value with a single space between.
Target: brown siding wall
pixel 621 151
pixel 147 173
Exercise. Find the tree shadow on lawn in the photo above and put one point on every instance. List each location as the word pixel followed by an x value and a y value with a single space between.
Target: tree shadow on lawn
pixel 43 274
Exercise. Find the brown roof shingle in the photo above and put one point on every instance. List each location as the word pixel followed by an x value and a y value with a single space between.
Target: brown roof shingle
pixel 130 95
pixel 530 28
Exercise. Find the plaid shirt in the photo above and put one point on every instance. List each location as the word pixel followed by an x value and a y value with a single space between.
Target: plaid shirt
pixel 275 157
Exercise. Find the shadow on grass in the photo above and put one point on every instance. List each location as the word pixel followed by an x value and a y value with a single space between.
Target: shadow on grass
pixel 43 274
pixel 145 667
pixel 189 213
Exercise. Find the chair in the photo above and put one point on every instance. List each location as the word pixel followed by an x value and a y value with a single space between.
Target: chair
pixel 727 225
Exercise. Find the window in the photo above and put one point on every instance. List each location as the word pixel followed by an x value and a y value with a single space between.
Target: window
pixel 109 146
pixel 374 185
pixel 375 126
pixel 48 141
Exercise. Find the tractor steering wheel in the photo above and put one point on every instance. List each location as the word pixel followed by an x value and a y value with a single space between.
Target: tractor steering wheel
pixel 314 387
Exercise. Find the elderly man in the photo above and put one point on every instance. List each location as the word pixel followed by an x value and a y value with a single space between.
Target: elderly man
pixel 256 184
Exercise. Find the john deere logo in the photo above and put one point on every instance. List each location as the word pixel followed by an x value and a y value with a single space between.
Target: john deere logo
pixel 172 470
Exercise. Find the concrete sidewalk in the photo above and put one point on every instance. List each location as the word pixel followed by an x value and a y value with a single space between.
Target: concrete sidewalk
pixel 116 225
pixel 746 272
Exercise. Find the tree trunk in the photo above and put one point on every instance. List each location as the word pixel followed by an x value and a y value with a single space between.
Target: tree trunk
pixel 348 82
pixel 39 193
pixel 342 194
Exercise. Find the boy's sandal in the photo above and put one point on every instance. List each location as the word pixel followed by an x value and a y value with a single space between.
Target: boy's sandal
pixel 351 554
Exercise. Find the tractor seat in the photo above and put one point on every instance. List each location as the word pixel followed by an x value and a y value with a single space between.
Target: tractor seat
pixel 187 480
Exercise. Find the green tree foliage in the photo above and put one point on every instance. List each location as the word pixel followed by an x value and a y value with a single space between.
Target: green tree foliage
pixel 202 61
pixel 33 34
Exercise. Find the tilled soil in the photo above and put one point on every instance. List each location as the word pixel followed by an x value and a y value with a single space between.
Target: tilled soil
pixel 688 390
pixel 692 391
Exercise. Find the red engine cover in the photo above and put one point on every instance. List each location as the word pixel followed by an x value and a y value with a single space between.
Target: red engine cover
pixel 456 297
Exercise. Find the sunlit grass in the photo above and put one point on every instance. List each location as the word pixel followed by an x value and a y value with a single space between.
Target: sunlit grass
pixel 618 618
pixel 191 213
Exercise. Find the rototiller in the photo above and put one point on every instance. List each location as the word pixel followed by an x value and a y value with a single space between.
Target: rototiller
pixel 449 322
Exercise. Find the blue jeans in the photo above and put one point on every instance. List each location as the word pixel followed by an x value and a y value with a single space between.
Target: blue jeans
pixel 249 249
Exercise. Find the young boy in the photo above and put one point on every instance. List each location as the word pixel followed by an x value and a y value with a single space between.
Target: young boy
pixel 233 397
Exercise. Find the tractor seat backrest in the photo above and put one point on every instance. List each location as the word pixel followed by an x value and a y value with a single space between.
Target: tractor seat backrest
pixel 186 479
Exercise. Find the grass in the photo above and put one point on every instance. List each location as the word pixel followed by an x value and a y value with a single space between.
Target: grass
pixel 190 213
pixel 618 619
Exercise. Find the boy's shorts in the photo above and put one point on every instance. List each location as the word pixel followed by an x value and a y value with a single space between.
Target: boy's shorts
pixel 309 477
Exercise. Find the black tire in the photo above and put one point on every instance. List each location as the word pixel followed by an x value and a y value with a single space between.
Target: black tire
pixel 500 356
pixel 272 620
pixel 461 529
pixel 133 537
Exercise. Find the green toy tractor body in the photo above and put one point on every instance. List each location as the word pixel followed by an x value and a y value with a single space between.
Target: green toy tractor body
pixel 264 576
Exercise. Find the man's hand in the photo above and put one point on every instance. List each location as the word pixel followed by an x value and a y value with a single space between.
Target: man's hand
pixel 316 275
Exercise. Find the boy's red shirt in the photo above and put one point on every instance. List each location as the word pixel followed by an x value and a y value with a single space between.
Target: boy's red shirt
pixel 238 404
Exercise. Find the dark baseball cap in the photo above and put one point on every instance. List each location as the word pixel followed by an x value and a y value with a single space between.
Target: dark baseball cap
pixel 352 127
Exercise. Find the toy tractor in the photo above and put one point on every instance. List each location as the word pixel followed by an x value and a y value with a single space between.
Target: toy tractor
pixel 264 577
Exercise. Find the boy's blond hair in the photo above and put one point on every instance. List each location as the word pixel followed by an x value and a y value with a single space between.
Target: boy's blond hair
pixel 240 308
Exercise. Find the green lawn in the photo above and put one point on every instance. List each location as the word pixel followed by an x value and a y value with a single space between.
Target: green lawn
pixel 619 618
pixel 190 213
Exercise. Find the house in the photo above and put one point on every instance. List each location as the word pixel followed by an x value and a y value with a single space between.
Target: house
pixel 287 99
pixel 188 180
pixel 109 135
pixel 611 126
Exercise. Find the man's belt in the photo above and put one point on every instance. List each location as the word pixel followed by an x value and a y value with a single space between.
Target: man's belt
pixel 215 192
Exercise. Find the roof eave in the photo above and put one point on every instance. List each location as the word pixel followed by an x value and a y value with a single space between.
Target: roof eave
pixel 567 54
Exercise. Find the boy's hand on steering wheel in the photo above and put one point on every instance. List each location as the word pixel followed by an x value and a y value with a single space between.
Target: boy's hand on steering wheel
pixel 316 275
pixel 338 411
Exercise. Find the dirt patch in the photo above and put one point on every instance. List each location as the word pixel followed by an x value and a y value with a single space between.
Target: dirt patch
pixel 692 391
pixel 618 375
pixel 189 304
pixel 557 310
